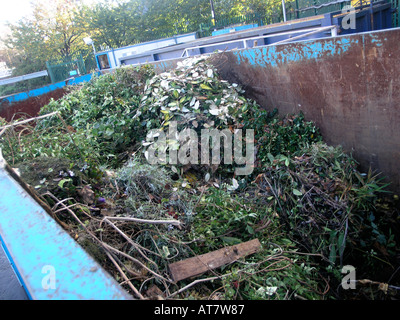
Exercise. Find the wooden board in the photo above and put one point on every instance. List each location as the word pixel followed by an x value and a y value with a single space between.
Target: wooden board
pixel 197 265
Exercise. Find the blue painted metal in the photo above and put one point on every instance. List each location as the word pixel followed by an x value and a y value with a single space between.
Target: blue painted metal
pixel 97 62
pixel 40 249
pixel 372 18
pixel 375 16
pixel 347 85
pixel 145 48
pixel 279 55
pixel 40 91
pixel 33 93
pixel 115 59
pixel 232 29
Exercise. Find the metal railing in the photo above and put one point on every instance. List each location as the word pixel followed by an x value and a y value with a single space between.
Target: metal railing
pixel 307 33
pixel 395 14
pixel 24 77
pixel 309 8
pixel 206 29
pixel 59 71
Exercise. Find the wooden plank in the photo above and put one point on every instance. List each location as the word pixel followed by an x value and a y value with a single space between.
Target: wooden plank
pixel 199 264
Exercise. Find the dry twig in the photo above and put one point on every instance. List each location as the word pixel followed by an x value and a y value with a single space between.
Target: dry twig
pixel 173 222
pixel 102 244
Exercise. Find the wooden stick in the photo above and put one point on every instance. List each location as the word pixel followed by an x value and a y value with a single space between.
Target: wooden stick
pixel 27 120
pixel 136 261
pixel 137 246
pixel 2 131
pixel 173 222
pixel 195 282
pixel 105 246
pixel 139 295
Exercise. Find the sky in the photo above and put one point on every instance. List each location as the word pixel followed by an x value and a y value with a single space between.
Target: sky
pixel 12 11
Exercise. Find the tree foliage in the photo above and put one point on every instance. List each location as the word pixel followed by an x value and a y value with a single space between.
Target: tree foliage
pixel 114 24
pixel 51 33
pixel 56 29
pixel 56 21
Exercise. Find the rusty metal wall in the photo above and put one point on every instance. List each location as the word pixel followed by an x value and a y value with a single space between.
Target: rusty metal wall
pixel 29 107
pixel 348 85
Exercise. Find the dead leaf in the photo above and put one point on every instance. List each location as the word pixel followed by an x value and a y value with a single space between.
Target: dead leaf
pixel 384 287
pixel 87 195
pixel 108 212
pixel 154 293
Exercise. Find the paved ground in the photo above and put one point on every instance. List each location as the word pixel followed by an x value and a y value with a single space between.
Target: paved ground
pixel 10 287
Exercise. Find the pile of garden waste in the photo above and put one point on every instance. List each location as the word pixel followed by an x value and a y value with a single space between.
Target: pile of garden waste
pixel 306 202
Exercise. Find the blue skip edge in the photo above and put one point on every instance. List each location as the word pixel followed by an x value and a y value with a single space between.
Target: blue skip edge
pixel 49 264
pixel 13 98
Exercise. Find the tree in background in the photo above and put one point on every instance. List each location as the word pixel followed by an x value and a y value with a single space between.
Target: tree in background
pixel 26 53
pixel 175 17
pixel 269 10
pixel 56 21
pixel 111 23
pixel 30 51
pixel 117 23
pixel 121 23
pixel 50 34
pixel 57 27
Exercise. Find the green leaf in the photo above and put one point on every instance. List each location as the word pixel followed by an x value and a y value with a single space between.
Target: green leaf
pixel 341 245
pixel 250 229
pixel 230 240
pixel 109 132
pixel 63 181
pixel 166 251
pixel 205 87
pixel 270 157
pixel 332 254
pixel 297 192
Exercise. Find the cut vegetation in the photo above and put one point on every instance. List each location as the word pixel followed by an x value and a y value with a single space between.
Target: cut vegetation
pixel 305 204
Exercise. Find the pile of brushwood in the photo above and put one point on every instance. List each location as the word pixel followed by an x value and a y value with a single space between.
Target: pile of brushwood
pixel 306 202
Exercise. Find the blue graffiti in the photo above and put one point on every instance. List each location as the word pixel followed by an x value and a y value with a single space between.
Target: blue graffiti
pixel 281 54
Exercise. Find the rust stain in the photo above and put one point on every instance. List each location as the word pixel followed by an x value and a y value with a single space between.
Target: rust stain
pixel 29 107
pixel 353 97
